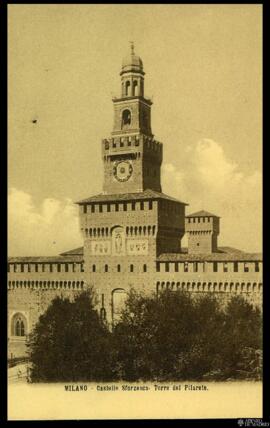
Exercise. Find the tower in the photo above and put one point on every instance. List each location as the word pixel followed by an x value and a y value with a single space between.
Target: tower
pixel 132 222
pixel 202 228
pixel 132 158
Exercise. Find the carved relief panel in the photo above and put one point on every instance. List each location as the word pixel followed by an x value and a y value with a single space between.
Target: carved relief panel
pixel 137 247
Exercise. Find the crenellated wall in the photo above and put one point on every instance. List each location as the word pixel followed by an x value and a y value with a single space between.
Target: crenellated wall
pixel 30 293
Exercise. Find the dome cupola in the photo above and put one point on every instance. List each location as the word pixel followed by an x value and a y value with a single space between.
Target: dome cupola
pixel 132 62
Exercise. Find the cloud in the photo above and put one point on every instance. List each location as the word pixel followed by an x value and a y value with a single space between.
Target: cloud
pixel 206 180
pixel 49 229
pixel 210 181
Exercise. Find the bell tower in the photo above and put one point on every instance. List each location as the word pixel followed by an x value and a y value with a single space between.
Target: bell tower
pixel 132 158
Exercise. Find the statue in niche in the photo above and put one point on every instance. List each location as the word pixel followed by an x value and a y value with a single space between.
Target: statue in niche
pixel 118 243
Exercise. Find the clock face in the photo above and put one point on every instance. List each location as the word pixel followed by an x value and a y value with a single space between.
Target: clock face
pixel 122 170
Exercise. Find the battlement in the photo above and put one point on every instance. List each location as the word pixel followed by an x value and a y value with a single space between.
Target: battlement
pixel 132 144
pixel 203 229
pixel 195 225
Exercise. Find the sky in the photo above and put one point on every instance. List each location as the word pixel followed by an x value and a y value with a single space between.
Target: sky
pixel 203 67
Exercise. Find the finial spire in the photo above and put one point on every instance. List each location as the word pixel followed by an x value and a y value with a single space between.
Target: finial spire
pixel 132 47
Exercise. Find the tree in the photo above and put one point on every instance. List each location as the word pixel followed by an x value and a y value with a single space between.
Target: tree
pixel 69 342
pixel 168 337
pixel 241 340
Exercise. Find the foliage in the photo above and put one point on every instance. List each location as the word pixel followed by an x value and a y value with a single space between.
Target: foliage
pixel 241 340
pixel 164 335
pixel 179 337
pixel 170 337
pixel 69 342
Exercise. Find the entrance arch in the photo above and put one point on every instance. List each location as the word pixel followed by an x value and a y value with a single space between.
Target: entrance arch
pixel 119 296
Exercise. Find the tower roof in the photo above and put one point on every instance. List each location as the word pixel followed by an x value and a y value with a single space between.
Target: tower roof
pixel 132 62
pixel 202 213
pixel 138 196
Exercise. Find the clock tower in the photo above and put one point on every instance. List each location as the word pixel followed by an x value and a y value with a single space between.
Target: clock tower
pixel 131 223
pixel 132 157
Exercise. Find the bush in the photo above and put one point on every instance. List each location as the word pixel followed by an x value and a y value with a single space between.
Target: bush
pixel 241 340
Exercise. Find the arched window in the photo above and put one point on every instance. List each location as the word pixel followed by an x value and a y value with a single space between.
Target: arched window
pixel 19 325
pixel 106 268
pixel 128 87
pixel 145 268
pixel 131 268
pixel 94 268
pixel 126 118
pixel 118 268
pixel 19 328
pixel 135 88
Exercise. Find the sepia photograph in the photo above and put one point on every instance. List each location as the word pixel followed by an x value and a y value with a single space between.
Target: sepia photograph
pixel 135 258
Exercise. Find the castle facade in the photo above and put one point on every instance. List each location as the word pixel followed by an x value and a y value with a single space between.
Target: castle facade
pixel 132 233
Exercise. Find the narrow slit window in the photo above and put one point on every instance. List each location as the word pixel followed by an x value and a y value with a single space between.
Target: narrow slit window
pixel 246 267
